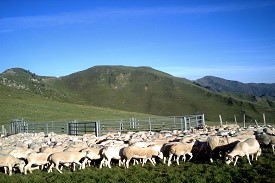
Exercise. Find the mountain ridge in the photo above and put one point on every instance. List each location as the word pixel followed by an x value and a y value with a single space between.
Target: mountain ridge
pixel 222 85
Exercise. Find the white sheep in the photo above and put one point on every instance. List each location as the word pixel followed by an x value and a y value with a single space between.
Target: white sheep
pixel 248 147
pixel 165 149
pixel 145 154
pixel 181 149
pixel 112 152
pixel 38 159
pixel 21 152
pixel 9 161
pixel 53 149
pixel 95 153
pixel 67 157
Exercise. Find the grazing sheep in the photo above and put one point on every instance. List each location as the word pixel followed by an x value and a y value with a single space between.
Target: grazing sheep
pixel 248 147
pixel 9 161
pixel 179 150
pixel 145 153
pixel 38 159
pixel 65 158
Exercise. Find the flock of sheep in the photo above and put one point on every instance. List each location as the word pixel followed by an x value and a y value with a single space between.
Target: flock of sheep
pixel 27 152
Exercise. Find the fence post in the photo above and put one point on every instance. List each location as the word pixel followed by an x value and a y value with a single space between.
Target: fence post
pixel 47 128
pixel 203 120
pixel 181 124
pixel 3 130
pixel 264 119
pixel 52 128
pixel 220 116
pixel 235 119
pixel 97 128
pixel 150 125
pixel 68 128
pixel 244 120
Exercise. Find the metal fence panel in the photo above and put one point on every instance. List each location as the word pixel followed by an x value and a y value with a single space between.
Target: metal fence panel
pixel 110 125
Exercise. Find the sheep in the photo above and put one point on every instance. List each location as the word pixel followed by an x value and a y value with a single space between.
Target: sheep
pixel 181 149
pixel 10 161
pixel 21 152
pixel 220 144
pixel 165 149
pixel 67 157
pixel 248 147
pixel 53 149
pixel 267 139
pixel 95 153
pixel 145 153
pixel 37 159
pixel 112 152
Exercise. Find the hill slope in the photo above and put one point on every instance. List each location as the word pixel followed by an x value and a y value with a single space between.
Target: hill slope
pixel 134 89
pixel 223 85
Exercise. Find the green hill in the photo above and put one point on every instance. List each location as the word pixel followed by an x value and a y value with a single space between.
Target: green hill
pixel 142 90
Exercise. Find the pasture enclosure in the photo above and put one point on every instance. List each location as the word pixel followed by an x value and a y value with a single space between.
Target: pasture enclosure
pixel 102 127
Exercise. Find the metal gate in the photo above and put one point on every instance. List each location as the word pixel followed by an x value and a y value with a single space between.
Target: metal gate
pixel 81 128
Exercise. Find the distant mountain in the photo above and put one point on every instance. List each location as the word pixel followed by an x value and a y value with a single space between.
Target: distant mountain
pixel 136 89
pixel 223 85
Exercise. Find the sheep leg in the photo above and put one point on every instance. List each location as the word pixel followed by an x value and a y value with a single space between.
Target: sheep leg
pixel 5 169
pixel 51 168
pixel 10 170
pixel 259 152
pixel 273 148
pixel 83 165
pixel 26 168
pixel 178 158
pixel 154 160
pixel 127 163
pixel 57 167
pixel 108 163
pixel 164 160
pixel 73 166
pixel 120 162
pixel 135 162
pixel 210 156
pixel 102 162
pixel 150 159
pixel 144 160
pixel 247 155
pixel 236 159
pixel 169 159
pixel 191 156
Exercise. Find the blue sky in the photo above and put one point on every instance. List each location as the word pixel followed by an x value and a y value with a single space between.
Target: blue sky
pixel 230 39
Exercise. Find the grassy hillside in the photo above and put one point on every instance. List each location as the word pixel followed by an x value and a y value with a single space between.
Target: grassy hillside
pixel 146 90
pixel 133 89
pixel 18 104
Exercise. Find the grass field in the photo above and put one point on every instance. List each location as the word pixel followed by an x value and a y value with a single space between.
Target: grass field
pixel 32 107
pixel 193 171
